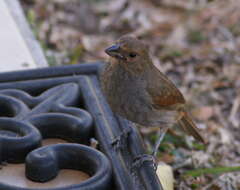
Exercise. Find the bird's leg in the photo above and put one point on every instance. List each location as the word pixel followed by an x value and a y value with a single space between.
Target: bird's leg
pixel 140 159
pixel 161 134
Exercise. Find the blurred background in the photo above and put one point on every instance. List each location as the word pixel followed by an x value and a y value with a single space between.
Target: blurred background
pixel 195 43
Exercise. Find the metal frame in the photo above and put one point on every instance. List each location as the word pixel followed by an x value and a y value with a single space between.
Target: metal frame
pixel 119 140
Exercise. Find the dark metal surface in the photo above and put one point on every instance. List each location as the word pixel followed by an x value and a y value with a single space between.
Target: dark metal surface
pixel 66 102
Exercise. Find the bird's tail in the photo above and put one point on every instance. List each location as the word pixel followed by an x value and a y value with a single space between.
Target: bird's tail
pixel 189 126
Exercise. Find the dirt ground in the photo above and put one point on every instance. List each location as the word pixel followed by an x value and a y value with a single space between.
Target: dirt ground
pixel 195 43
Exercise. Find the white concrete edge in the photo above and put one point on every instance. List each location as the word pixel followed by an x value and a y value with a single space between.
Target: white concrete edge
pixel 32 44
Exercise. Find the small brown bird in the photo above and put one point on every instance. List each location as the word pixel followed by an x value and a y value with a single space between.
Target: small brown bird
pixel 136 90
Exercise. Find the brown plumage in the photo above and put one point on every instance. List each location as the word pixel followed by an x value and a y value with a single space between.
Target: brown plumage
pixel 139 92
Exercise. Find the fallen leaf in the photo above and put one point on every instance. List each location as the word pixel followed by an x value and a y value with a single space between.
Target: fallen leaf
pixel 203 113
pixel 165 175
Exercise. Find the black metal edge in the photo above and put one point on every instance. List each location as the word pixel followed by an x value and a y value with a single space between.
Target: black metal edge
pixel 51 72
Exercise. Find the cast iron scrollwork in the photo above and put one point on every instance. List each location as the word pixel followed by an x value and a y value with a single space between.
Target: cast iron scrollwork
pixel 25 120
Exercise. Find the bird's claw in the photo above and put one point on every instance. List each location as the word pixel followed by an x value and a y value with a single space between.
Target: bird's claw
pixel 140 159
pixel 120 141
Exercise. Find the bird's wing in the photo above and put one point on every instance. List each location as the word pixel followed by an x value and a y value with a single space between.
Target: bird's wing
pixel 163 92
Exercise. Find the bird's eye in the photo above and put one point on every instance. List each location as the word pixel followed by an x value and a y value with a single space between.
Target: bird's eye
pixel 132 55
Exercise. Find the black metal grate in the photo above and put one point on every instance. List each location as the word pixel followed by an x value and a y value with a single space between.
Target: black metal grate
pixel 66 102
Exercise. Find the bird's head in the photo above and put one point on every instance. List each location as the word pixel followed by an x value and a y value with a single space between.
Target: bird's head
pixel 130 52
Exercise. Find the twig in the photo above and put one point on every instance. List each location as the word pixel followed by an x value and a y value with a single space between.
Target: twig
pixel 235 107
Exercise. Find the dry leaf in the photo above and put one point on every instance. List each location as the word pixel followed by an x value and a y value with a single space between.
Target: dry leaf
pixel 203 113
pixel 165 175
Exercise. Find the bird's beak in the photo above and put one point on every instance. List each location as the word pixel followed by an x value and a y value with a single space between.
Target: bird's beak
pixel 114 51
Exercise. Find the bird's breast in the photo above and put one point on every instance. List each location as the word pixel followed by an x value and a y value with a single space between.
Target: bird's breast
pixel 125 92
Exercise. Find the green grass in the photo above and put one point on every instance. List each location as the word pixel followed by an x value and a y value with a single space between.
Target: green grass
pixel 76 54
pixel 214 171
pixel 195 36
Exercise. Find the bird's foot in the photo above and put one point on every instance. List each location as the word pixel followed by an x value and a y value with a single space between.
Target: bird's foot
pixel 140 159
pixel 120 141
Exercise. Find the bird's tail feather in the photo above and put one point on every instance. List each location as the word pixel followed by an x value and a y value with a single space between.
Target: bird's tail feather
pixel 188 126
